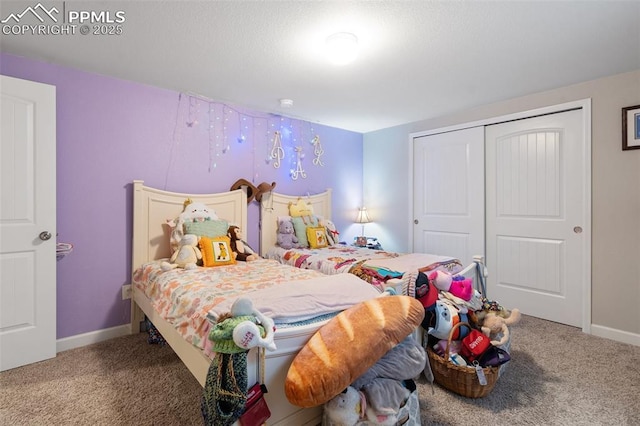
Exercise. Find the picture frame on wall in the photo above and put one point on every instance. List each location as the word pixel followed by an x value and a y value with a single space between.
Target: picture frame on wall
pixel 631 128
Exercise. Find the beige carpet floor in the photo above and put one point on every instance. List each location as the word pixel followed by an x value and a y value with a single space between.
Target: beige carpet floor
pixel 558 376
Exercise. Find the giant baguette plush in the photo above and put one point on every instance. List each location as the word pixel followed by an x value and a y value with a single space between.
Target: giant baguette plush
pixel 347 346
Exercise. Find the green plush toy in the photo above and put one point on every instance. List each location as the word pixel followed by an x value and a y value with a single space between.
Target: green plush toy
pixel 225 392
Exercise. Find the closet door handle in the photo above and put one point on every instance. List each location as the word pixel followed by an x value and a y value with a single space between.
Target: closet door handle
pixel 45 235
pixel 415 221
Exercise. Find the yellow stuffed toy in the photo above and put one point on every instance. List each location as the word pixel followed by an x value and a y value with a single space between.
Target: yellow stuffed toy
pixel 186 256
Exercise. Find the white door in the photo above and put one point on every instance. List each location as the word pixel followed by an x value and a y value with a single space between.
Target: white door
pixel 536 215
pixel 448 188
pixel 27 222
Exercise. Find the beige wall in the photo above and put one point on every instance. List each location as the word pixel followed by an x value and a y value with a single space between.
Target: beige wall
pixel 615 191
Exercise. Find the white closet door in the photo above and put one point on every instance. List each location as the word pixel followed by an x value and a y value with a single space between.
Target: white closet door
pixel 27 222
pixel 448 186
pixel 536 222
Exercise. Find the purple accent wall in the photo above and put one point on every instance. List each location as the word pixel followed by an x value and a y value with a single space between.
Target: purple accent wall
pixel 112 131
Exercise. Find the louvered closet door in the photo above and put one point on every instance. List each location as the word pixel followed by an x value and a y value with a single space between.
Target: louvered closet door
pixel 536 204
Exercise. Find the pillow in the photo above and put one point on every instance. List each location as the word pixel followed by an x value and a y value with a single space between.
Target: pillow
pixel 300 224
pixel 301 208
pixel 216 251
pixel 317 237
pixel 347 346
pixel 207 228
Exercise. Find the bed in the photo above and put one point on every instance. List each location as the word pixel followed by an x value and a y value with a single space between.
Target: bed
pixel 378 267
pixel 183 323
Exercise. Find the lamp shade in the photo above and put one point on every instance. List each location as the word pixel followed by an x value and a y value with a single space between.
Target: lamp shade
pixel 363 216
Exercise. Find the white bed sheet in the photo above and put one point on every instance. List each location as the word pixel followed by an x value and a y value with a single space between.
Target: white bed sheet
pixel 302 300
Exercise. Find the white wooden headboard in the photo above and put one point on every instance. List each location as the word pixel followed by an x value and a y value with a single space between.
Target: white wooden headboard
pixel 274 205
pixel 152 207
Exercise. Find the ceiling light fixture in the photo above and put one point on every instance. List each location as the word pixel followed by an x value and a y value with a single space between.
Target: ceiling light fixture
pixel 342 48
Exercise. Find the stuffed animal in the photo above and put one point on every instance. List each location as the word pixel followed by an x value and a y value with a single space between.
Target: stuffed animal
pixel 389 415
pixel 351 408
pixel 382 384
pixel 333 236
pixel 192 212
pixel 225 397
pixel 426 292
pixel 457 285
pixel 246 334
pixel 441 280
pixel 286 237
pixel 197 212
pixel 446 316
pixel 186 256
pixel 346 408
pixel 241 250
pixel 494 325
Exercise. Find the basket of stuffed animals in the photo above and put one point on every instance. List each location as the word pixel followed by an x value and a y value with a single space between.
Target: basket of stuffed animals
pixel 469 381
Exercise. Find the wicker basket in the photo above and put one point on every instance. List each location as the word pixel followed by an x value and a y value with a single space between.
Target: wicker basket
pixel 460 379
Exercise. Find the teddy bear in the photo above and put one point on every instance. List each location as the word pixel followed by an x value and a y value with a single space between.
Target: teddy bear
pixel 457 285
pixel 496 327
pixel 286 237
pixel 186 256
pixel 241 250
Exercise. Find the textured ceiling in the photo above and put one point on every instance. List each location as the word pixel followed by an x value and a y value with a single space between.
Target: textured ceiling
pixel 418 59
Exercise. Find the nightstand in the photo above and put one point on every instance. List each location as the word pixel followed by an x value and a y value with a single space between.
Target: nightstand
pixel 371 243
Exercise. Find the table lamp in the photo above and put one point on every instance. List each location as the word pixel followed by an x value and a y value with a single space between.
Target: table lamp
pixel 363 217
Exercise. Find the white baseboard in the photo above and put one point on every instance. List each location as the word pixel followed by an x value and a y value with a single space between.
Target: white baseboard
pixel 84 339
pixel 617 335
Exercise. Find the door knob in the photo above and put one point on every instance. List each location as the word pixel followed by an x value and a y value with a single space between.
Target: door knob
pixel 44 235
pixel 577 229
pixel 415 221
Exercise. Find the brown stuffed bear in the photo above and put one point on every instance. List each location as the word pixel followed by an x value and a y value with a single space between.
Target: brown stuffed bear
pixel 496 327
pixel 241 250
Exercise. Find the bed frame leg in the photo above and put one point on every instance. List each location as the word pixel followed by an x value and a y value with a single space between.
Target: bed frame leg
pixel 137 317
